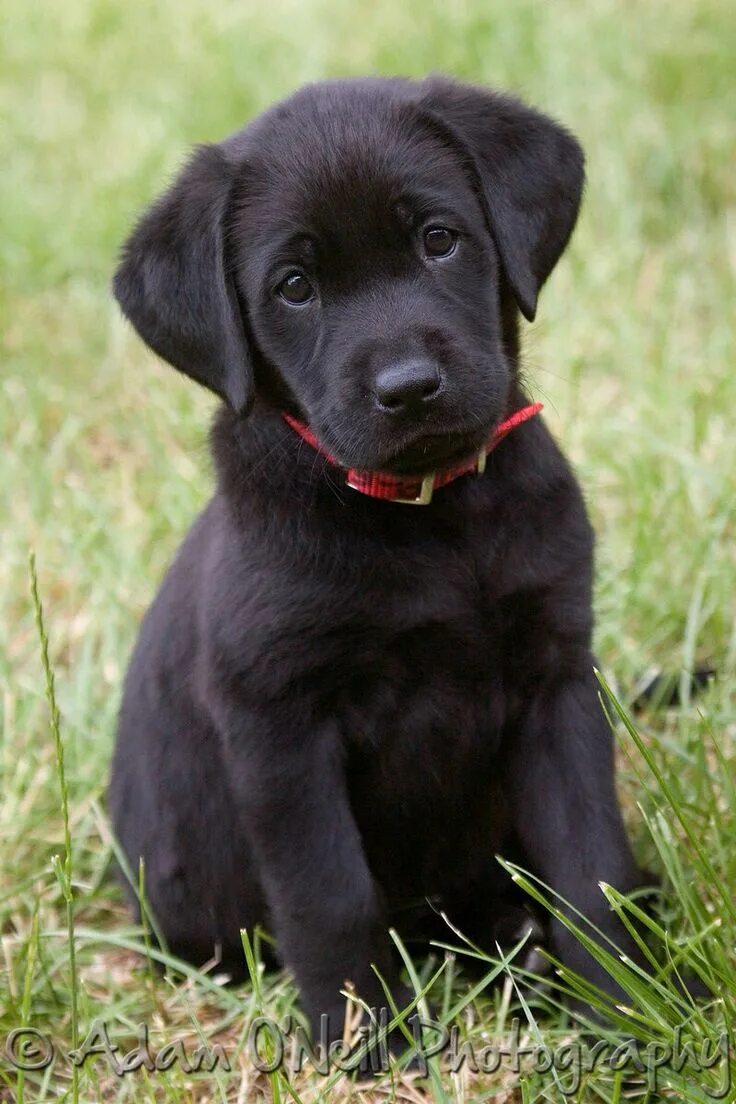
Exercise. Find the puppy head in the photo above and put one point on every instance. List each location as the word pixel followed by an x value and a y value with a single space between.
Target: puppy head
pixel 349 256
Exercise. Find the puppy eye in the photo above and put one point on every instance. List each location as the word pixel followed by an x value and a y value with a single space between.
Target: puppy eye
pixel 439 241
pixel 295 289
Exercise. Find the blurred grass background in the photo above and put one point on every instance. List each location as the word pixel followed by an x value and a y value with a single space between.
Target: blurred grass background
pixel 104 459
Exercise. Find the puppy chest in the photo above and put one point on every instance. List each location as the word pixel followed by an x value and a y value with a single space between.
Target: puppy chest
pixel 432 693
pixel 421 741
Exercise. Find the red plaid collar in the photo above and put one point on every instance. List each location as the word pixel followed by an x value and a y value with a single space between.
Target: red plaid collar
pixel 415 491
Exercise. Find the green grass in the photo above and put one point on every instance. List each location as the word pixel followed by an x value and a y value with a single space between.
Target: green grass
pixel 104 465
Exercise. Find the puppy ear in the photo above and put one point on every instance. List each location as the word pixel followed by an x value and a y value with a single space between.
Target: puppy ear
pixel 173 285
pixel 530 171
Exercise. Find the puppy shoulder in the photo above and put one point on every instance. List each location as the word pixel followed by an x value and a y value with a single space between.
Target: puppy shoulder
pixel 547 533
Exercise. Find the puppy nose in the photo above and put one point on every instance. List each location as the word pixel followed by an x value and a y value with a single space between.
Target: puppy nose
pixel 407 384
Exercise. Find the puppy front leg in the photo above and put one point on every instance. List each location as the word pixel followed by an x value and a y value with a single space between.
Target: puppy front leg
pixel 566 815
pixel 326 909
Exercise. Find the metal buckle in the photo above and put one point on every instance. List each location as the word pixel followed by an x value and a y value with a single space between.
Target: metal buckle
pixel 425 495
pixel 480 464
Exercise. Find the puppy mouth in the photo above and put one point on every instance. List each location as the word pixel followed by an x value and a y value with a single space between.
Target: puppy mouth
pixel 431 451
pixel 416 452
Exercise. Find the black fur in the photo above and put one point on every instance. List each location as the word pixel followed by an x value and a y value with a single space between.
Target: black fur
pixel 337 705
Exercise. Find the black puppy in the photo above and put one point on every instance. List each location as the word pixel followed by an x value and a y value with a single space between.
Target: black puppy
pixel 341 702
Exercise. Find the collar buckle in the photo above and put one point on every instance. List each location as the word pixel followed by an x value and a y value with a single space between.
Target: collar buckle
pixel 425 495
